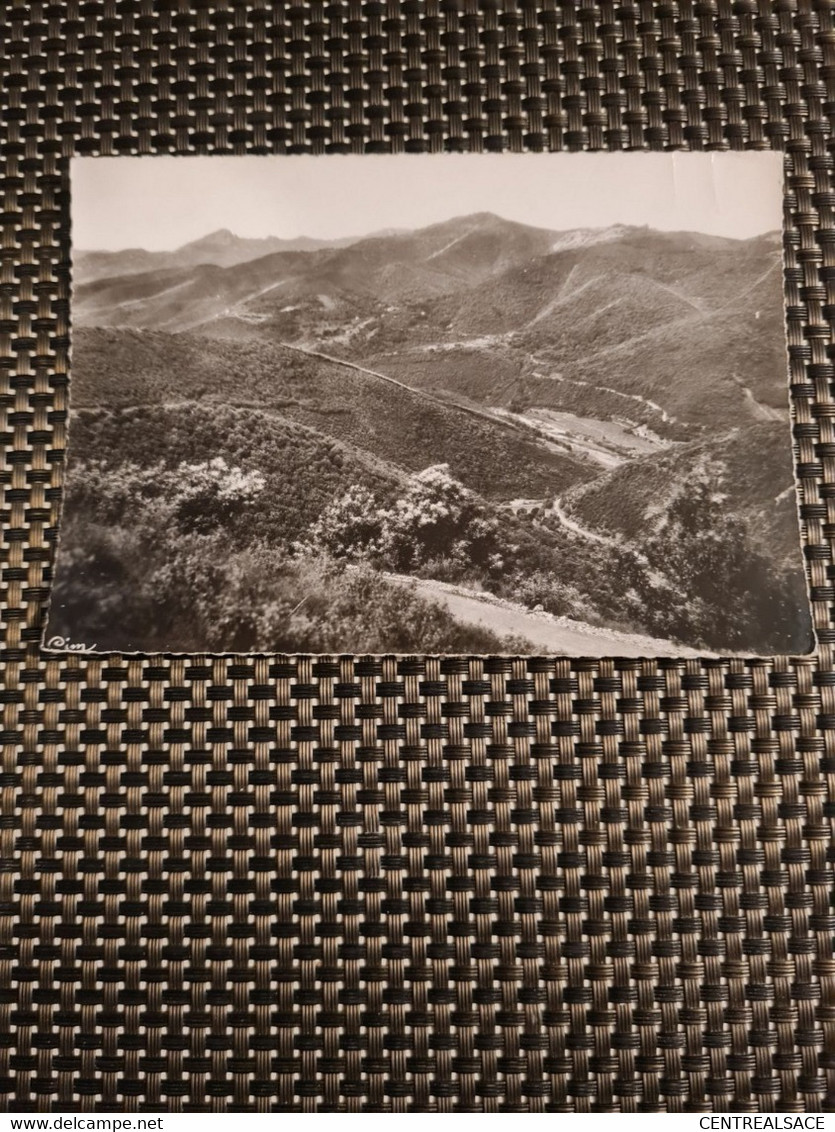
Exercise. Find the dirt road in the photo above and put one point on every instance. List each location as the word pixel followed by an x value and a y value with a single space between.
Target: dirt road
pixel 553 635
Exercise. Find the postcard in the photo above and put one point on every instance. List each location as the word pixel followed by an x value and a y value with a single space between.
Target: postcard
pixel 528 404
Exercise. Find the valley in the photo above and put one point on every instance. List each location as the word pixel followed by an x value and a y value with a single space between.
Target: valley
pixel 589 427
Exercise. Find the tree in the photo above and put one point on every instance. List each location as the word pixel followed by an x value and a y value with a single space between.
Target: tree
pixel 437 520
pixel 349 527
pixel 213 494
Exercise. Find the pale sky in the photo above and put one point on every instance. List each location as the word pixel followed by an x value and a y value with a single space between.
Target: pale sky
pixel 163 202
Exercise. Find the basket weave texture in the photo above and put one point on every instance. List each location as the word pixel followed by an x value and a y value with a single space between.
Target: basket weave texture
pixel 276 884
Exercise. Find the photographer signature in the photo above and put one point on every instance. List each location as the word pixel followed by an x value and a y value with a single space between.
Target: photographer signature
pixel 69 644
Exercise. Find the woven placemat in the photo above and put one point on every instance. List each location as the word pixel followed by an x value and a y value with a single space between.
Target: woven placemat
pixel 272 884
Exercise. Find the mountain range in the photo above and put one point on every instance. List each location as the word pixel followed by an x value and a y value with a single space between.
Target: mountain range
pixel 221 248
pixel 553 309
pixel 578 382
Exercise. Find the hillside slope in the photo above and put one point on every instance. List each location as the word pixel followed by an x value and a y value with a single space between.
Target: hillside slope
pixel 303 468
pixel 118 368
pixel 748 471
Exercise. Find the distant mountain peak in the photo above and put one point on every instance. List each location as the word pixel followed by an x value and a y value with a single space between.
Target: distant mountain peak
pixel 492 220
pixel 486 218
pixel 221 238
pixel 473 222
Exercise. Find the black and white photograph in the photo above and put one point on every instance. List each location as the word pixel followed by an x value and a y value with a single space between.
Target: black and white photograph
pixel 429 404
